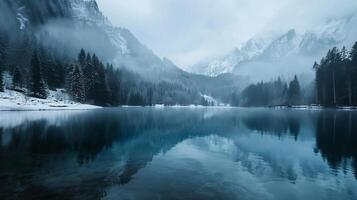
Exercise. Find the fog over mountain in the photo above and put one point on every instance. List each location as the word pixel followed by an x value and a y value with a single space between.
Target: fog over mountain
pixel 201 30
pixel 64 27
pixel 178 99
pixel 270 45
pixel 283 54
pixel 80 24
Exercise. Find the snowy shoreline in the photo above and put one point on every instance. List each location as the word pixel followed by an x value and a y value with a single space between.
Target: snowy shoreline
pixel 16 101
pixel 11 100
pixel 314 107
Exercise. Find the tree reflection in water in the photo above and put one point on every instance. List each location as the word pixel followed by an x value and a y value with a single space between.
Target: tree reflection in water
pixel 83 154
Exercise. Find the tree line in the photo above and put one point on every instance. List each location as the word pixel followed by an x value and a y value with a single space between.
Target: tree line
pixel 335 84
pixel 272 93
pixel 336 77
pixel 88 80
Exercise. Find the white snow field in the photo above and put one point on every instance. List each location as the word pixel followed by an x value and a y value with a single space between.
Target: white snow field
pixel 57 100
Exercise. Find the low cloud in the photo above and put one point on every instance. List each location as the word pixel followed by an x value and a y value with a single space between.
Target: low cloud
pixel 188 31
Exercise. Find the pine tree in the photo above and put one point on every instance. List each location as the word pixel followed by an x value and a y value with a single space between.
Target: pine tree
pixel 43 58
pixel 345 78
pixel 318 81
pixel 1 80
pixel 263 94
pixel 353 73
pixel 37 85
pixel 4 47
pixel 89 79
pixel 77 87
pixel 294 92
pixel 204 102
pixel 136 99
pixel 17 79
pixel 114 85
pixel 52 68
pixel 331 79
pixel 344 54
pixel 82 57
pixel 353 54
pixel 58 77
pixel 100 85
pixel 150 96
pixel 3 50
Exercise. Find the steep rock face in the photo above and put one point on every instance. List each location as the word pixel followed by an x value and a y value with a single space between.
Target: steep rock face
pixel 126 50
pixel 75 24
pixel 66 26
pixel 283 46
pixel 55 24
pixel 32 12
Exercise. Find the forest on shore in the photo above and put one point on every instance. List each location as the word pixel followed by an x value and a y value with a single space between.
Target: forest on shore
pixel 335 84
pixel 85 78
pixel 88 80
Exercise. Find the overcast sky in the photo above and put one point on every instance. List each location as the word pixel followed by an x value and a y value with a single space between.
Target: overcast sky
pixel 187 31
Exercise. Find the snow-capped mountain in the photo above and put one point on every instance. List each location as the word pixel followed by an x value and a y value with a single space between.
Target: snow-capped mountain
pixel 282 46
pixel 226 64
pixel 298 48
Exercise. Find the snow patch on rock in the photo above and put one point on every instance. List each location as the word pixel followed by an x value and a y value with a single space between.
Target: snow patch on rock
pixel 22 19
pixel 308 45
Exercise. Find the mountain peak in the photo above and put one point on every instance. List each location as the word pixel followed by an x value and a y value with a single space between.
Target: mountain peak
pixel 291 33
pixel 288 45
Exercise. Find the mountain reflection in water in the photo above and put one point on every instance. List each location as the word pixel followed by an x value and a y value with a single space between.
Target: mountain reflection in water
pixel 179 153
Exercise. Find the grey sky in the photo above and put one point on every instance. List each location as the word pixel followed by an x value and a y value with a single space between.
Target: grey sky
pixel 187 31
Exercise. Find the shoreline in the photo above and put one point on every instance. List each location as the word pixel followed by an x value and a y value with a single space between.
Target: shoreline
pixel 314 107
pixel 69 108
pixel 11 100
pixel 14 107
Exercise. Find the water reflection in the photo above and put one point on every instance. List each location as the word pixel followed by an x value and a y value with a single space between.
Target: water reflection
pixel 276 122
pixel 147 153
pixel 336 139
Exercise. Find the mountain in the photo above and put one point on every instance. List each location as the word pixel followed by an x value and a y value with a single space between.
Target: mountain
pixel 77 24
pixel 65 26
pixel 281 47
pixel 285 54
pixel 226 64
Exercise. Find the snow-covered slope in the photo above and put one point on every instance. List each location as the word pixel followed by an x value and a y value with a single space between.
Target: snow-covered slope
pixel 58 100
pixel 306 47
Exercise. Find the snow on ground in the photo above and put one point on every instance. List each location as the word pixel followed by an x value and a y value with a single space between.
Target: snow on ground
pixel 300 107
pixel 58 100
pixel 213 101
pixel 314 107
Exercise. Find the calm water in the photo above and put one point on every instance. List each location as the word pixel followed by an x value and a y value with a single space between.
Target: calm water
pixel 179 153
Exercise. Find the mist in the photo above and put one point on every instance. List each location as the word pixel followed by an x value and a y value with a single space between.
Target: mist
pixel 75 36
pixel 161 42
pixel 190 31
pixel 178 99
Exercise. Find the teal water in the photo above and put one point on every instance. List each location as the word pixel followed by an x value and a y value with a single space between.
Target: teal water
pixel 179 153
